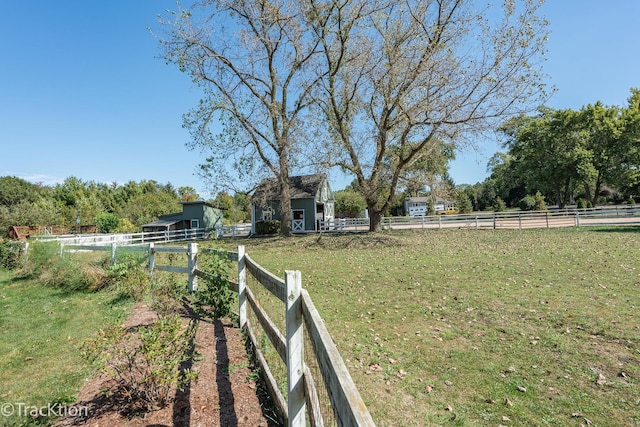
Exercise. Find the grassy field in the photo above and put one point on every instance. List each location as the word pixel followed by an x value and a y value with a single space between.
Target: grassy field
pixel 456 327
pixel 41 330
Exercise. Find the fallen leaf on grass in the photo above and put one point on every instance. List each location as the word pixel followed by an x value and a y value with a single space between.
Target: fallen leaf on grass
pixel 508 402
pixel 429 388
pixel 521 389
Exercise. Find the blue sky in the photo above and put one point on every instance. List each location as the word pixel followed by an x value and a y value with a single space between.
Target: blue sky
pixel 83 92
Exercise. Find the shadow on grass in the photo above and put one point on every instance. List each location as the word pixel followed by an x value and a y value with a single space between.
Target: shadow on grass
pixel 618 229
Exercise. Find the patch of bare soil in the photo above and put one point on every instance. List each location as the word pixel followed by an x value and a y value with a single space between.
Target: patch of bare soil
pixel 224 394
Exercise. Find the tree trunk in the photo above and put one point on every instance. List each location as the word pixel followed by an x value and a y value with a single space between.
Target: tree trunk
pixel 375 219
pixel 285 199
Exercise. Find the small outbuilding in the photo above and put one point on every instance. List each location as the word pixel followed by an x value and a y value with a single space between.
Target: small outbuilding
pixel 312 202
pixel 197 214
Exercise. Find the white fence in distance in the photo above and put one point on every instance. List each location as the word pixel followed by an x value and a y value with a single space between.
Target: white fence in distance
pixel 600 216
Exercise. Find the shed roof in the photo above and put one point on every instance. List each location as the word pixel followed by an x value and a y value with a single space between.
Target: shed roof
pixel 302 187
pixel 162 223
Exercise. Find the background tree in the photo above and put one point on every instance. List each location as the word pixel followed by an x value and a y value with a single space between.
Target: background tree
pixel 349 203
pixel 401 77
pixel 255 61
pixel 106 222
pixel 566 153
pixel 14 190
pixel 187 194
pixel 547 152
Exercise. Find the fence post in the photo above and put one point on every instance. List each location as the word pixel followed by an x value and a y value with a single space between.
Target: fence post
pixel 577 219
pixel 193 264
pixel 547 217
pixel 477 225
pixel 26 254
pixel 61 249
pixel 242 287
pixel 519 221
pixel 295 350
pixel 113 253
pixel 152 258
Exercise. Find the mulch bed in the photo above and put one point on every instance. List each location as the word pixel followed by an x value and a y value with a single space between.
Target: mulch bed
pixel 224 394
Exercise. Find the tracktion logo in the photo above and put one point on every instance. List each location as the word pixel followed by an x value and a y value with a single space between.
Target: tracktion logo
pixel 20 409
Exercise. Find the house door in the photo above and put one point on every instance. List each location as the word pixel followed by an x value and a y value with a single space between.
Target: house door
pixel 320 225
pixel 297 220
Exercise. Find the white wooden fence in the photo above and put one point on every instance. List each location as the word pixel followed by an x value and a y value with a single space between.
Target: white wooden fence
pixel 133 239
pixel 302 401
pixel 614 215
pixel 606 215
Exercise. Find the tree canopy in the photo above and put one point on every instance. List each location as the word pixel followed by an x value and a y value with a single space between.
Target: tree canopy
pixel 372 87
pixel 567 153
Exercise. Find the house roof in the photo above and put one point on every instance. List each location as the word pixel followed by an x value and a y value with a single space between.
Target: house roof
pixel 197 202
pixel 419 199
pixel 302 187
pixel 162 223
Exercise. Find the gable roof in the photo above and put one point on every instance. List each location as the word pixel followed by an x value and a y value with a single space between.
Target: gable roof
pixel 301 186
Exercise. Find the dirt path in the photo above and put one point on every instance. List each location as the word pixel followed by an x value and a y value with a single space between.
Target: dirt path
pixel 225 393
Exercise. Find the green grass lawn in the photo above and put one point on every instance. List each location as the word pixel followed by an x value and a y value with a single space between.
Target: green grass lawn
pixel 466 327
pixel 41 330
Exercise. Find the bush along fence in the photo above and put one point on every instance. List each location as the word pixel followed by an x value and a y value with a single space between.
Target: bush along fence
pixel 335 400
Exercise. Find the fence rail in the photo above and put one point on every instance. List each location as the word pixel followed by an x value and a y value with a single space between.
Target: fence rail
pixel 302 398
pixel 617 215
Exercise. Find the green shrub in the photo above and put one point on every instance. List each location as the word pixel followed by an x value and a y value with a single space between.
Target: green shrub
pixel 540 204
pixel 166 294
pixel 631 200
pixel 10 253
pixel 349 203
pixel 106 222
pixel 129 275
pixel 145 364
pixel 531 203
pixel 68 273
pixel 71 275
pixel 499 205
pixel 213 297
pixel 464 204
pixel 527 203
pixel 268 227
pixel 41 256
pixel 581 203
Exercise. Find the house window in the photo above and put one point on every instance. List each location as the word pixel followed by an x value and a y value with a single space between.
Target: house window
pixel 195 223
pixel 267 214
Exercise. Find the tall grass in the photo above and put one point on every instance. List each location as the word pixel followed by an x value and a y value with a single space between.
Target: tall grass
pixel 41 330
pixel 455 327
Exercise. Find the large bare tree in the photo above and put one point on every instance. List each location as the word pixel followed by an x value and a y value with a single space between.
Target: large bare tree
pixel 402 76
pixel 256 62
